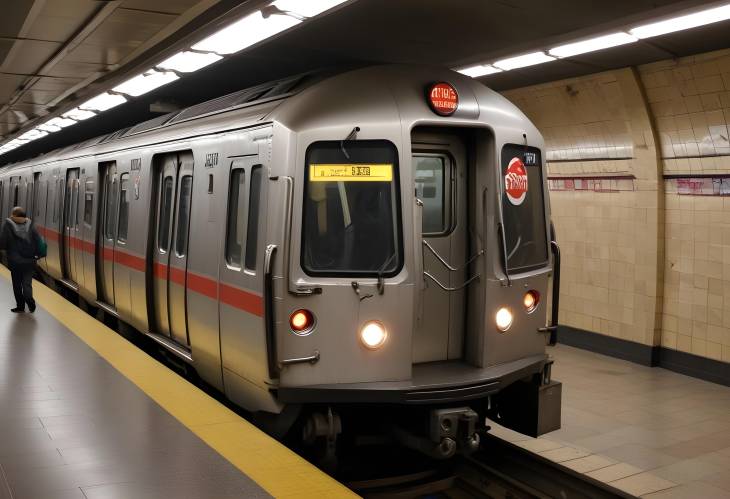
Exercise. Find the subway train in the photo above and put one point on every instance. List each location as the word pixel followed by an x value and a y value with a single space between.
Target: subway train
pixel 348 251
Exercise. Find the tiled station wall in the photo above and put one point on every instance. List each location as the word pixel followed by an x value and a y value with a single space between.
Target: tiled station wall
pixel 639 173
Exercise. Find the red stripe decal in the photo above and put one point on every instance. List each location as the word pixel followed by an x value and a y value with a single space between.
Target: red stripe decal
pixel 129 260
pixel 177 276
pixel 235 297
pixel 241 299
pixel 203 285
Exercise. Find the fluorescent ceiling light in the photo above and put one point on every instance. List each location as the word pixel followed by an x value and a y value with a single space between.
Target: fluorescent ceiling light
pixel 33 134
pixel 103 102
pixel 60 122
pixel 79 114
pixel 701 18
pixel 146 82
pixel 246 32
pixel 48 128
pixel 307 8
pixel 522 61
pixel 593 44
pixel 187 62
pixel 482 70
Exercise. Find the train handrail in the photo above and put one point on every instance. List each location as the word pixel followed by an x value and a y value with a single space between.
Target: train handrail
pixel 457 288
pixel 503 252
pixel 553 327
pixel 271 354
pixel 445 263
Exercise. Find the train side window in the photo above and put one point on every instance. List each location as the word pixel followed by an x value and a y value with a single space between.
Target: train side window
pixel 183 215
pixel 110 211
pixel 2 191
pixel 234 230
pixel 88 201
pixel 163 235
pixel 254 202
pixel 431 181
pixel 16 191
pixel 123 208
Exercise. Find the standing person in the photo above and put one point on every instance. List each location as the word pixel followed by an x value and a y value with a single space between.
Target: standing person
pixel 21 243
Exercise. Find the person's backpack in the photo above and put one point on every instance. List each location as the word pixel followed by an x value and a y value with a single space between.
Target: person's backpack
pixel 25 247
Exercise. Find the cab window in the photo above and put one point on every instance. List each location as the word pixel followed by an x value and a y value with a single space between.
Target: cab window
pixel 351 222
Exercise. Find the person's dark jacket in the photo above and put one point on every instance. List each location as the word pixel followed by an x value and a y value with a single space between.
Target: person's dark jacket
pixel 13 229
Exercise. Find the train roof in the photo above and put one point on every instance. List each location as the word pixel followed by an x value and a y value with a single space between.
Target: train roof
pixel 248 97
pixel 262 103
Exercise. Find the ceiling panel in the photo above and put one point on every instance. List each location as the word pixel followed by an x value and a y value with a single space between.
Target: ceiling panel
pixel 129 28
pixel 166 6
pixel 13 15
pixel 31 55
pixel 58 21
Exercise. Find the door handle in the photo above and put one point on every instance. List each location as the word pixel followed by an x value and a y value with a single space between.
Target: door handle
pixel 271 354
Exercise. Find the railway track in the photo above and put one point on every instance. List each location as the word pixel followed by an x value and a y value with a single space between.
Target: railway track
pixel 499 470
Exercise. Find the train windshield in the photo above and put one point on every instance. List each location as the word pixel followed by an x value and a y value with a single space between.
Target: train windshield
pixel 351 219
pixel 523 208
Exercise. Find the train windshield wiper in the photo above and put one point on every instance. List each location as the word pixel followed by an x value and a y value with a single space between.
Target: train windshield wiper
pixel 381 270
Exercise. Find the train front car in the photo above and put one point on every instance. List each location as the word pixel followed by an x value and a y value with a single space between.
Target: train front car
pixel 408 290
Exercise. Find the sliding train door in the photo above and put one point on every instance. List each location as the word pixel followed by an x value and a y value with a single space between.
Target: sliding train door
pixel 71 237
pixel 439 162
pixel 242 328
pixel 173 190
pixel 107 231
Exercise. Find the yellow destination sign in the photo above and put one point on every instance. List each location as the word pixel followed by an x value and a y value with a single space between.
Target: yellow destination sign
pixel 351 173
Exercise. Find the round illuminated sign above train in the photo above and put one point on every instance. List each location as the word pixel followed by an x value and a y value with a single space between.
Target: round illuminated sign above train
pixel 515 182
pixel 443 99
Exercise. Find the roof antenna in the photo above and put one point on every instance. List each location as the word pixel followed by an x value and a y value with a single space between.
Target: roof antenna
pixel 351 136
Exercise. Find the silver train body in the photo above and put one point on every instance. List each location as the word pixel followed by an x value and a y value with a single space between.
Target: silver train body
pixel 207 229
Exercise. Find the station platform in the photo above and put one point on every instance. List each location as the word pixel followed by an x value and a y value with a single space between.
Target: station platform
pixel 648 431
pixel 84 414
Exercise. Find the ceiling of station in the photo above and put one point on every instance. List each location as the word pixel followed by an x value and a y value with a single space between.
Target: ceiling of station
pixel 54 53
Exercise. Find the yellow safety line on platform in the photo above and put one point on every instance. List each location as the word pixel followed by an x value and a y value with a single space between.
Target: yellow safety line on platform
pixel 278 470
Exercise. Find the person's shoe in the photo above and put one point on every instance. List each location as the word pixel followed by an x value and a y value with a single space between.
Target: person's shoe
pixel 31 307
pixel 18 310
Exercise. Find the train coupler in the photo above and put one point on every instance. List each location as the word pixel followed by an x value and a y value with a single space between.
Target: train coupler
pixel 449 431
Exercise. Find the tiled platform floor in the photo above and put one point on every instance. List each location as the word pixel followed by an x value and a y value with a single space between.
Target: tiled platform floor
pixel 72 427
pixel 84 414
pixel 651 432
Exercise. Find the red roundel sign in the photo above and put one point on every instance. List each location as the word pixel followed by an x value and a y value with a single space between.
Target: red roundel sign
pixel 515 181
pixel 443 99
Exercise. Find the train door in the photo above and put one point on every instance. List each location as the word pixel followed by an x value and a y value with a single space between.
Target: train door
pixel 14 193
pixel 71 225
pixel 107 231
pixel 178 255
pixel 173 187
pixel 243 340
pixel 33 202
pixel 440 169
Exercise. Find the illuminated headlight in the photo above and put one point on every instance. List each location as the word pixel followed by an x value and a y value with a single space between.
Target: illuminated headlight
pixel 503 318
pixel 531 300
pixel 373 335
pixel 301 322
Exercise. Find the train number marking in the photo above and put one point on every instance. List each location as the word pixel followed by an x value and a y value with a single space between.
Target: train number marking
pixel 136 164
pixel 211 160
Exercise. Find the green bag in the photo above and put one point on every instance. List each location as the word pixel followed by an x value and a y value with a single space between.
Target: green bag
pixel 41 246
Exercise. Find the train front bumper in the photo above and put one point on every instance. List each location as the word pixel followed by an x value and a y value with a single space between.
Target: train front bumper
pixel 431 383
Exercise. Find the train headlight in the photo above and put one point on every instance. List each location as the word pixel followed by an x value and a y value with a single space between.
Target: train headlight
pixel 530 300
pixel 373 335
pixel 503 318
pixel 301 322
